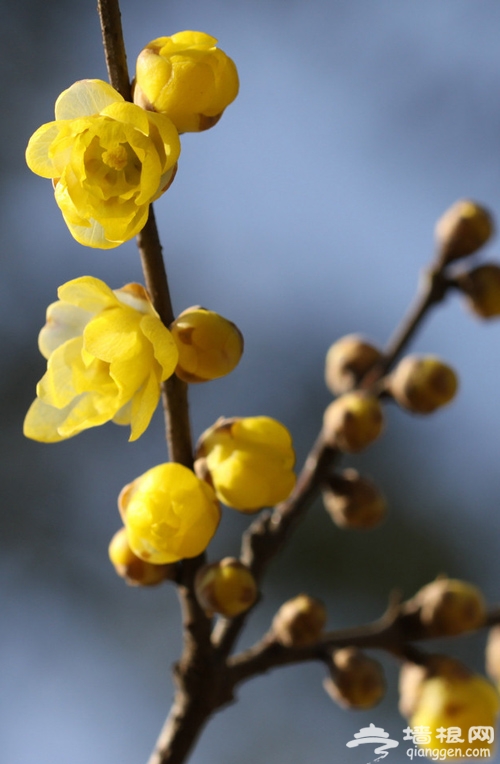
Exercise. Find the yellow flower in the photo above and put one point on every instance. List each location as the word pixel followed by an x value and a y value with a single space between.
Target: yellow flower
pixel 107 354
pixel 108 159
pixel 453 703
pixel 186 77
pixel 249 462
pixel 209 345
pixel 169 514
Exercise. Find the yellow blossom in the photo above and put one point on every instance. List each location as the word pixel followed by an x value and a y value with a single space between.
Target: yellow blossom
pixel 107 353
pixel 452 702
pixel 209 345
pixel 108 160
pixel 186 77
pixel 169 514
pixel 249 461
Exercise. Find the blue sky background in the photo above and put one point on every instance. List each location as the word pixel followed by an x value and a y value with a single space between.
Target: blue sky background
pixel 305 214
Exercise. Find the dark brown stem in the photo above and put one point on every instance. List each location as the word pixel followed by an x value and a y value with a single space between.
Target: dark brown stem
pixel 114 46
pixel 174 390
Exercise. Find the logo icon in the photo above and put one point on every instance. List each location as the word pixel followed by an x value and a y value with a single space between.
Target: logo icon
pixel 374 735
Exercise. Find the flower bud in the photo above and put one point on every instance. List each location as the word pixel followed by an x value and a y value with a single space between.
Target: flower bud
pixel 209 345
pixel 451 696
pixel 448 606
pixel 169 514
pixel 135 571
pixel 481 286
pixel 353 501
pixel 353 421
pixel 226 587
pixel 421 384
pixel 300 621
pixel 186 77
pixel 356 681
pixel 249 462
pixel 347 362
pixel 493 654
pixel 463 229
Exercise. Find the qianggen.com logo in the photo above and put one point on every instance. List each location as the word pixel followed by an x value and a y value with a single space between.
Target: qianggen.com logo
pixel 444 744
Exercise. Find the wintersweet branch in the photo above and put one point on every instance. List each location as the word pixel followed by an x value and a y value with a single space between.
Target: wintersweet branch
pixel 268 533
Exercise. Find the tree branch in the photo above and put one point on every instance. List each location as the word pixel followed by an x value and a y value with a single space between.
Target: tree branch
pixel 268 533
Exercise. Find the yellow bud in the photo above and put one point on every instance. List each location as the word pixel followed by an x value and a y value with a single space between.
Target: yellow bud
pixel 226 587
pixel 481 287
pixel 453 703
pixel 463 229
pixel 353 421
pixel 448 606
pixel 493 654
pixel 209 345
pixel 421 384
pixel 356 681
pixel 169 514
pixel 186 77
pixel 347 361
pixel 353 501
pixel 249 462
pixel 300 621
pixel 135 571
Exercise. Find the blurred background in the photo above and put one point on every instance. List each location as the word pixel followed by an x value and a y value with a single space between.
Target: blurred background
pixel 305 214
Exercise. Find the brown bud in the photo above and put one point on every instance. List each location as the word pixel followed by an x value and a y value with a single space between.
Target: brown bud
pixel 353 501
pixel 226 587
pixel 356 681
pixel 448 606
pixel 493 654
pixel 347 362
pixel 135 571
pixel 421 384
pixel 353 421
pixel 463 229
pixel 300 621
pixel 481 287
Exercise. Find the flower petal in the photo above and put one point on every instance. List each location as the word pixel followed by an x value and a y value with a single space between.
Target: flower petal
pixel 38 156
pixel 64 322
pixel 164 347
pixel 86 98
pixel 88 293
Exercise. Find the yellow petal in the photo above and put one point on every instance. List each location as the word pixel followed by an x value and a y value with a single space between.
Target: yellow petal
pixel 88 293
pixel 85 99
pixel 128 113
pixel 38 156
pixel 113 335
pixel 144 404
pixel 164 347
pixel 64 322
pixel 42 422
